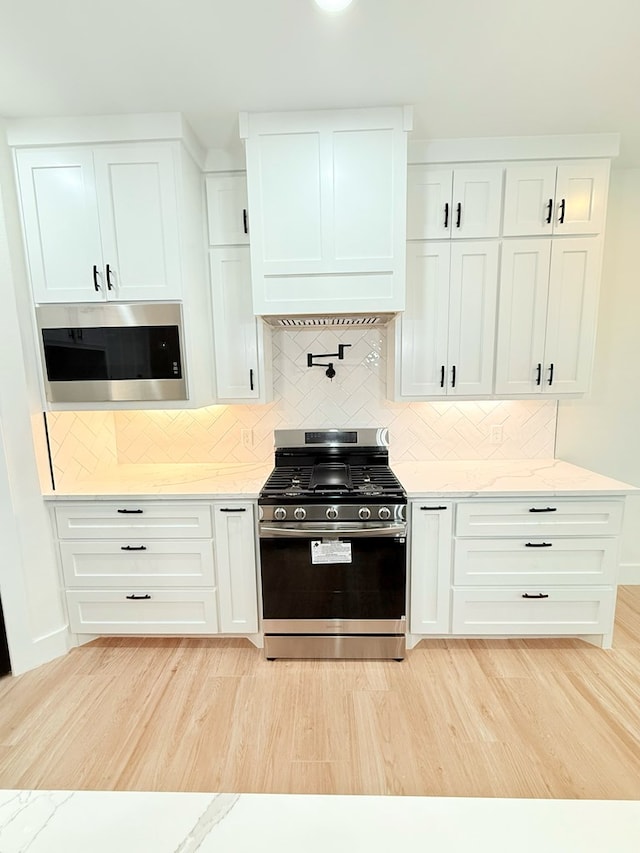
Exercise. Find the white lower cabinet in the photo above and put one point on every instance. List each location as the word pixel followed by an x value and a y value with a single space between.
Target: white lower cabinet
pixel 158 567
pixel 431 526
pixel 537 566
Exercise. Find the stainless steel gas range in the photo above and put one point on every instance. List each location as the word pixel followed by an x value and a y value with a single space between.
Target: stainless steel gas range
pixel 333 547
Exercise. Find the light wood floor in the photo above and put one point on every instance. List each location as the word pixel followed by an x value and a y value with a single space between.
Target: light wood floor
pixel 493 718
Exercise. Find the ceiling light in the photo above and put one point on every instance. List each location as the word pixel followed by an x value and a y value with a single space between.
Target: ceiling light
pixel 333 5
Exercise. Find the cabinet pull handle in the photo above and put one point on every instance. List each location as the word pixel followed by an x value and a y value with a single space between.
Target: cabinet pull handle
pixel 538 544
pixel 131 511
pixel 251 379
pixel 96 286
pixel 133 547
pixel 453 376
pixel 550 382
pixel 549 210
pixel 109 285
pixel 545 509
pixel 539 374
pixel 432 508
pixel 244 221
pixel 458 214
pixel 442 376
pixel 446 214
pixel 538 595
pixel 561 217
pixel 233 509
pixel 135 597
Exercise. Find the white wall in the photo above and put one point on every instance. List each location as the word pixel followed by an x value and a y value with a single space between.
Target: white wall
pixel 29 582
pixel 603 431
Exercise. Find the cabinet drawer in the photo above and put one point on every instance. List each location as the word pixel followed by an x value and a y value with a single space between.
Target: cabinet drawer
pixel 151 519
pixel 583 610
pixel 539 517
pixel 126 562
pixel 175 611
pixel 488 562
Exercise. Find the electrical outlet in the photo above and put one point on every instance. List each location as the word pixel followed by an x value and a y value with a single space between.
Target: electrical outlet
pixel 497 434
pixel 246 437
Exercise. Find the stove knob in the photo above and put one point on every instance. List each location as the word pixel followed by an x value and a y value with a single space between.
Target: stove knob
pixel 364 513
pixel 384 513
pixel 279 513
pixel 332 512
pixel 300 513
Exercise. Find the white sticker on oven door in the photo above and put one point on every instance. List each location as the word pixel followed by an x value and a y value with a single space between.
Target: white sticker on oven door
pixel 330 551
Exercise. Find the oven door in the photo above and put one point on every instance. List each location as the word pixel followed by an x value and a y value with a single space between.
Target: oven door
pixel 333 580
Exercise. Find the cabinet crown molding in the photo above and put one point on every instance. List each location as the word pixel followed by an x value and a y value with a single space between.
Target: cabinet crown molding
pixel 570 146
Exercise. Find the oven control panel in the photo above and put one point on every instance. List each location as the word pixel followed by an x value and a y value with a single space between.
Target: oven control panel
pixel 333 512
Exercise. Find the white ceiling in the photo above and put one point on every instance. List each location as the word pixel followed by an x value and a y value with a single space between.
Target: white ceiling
pixel 469 67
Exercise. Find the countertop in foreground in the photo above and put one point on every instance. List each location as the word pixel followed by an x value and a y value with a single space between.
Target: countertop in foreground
pixel 507 478
pixel 132 822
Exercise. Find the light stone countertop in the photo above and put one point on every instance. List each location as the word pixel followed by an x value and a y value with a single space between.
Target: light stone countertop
pixel 136 822
pixel 507 478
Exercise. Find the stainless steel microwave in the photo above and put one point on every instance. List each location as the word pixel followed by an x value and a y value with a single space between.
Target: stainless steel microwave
pixel 114 351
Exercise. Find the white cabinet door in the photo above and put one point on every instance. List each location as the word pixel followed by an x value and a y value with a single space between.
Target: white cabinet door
pixel 522 316
pixel 227 208
pixel 235 553
pixel 458 203
pixel 61 225
pixel 425 322
pixel 430 570
pixel 581 197
pixel 429 202
pixel 472 318
pixel 327 201
pixel 235 325
pixel 137 202
pixel 476 202
pixel 556 198
pixel 571 315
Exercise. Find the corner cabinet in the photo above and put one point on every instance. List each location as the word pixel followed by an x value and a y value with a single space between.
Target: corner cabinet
pixel 242 342
pixel 102 222
pixel 327 209
pixel 158 567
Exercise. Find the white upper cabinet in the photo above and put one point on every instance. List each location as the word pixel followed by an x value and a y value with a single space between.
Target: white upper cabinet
pixel 547 316
pixel 556 198
pixel 101 222
pixel 227 210
pixel 327 205
pixel 240 361
pixel 459 202
pixel 446 345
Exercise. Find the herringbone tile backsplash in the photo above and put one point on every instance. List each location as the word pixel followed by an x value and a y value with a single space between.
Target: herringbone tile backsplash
pixel 83 443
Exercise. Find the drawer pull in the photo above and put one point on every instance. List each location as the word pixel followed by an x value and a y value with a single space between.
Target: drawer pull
pixel 537 595
pixel 432 508
pixel 233 509
pixel 131 511
pixel 135 597
pixel 538 544
pixel 133 547
pixel 544 509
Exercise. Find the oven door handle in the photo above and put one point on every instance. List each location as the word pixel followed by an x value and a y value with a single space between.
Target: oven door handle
pixel 330 533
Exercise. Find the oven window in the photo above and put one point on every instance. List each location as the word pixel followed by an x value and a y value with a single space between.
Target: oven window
pixel 372 586
pixel 123 352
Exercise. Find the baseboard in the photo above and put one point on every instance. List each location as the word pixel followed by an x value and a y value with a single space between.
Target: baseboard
pixel 42 650
pixel 629 574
